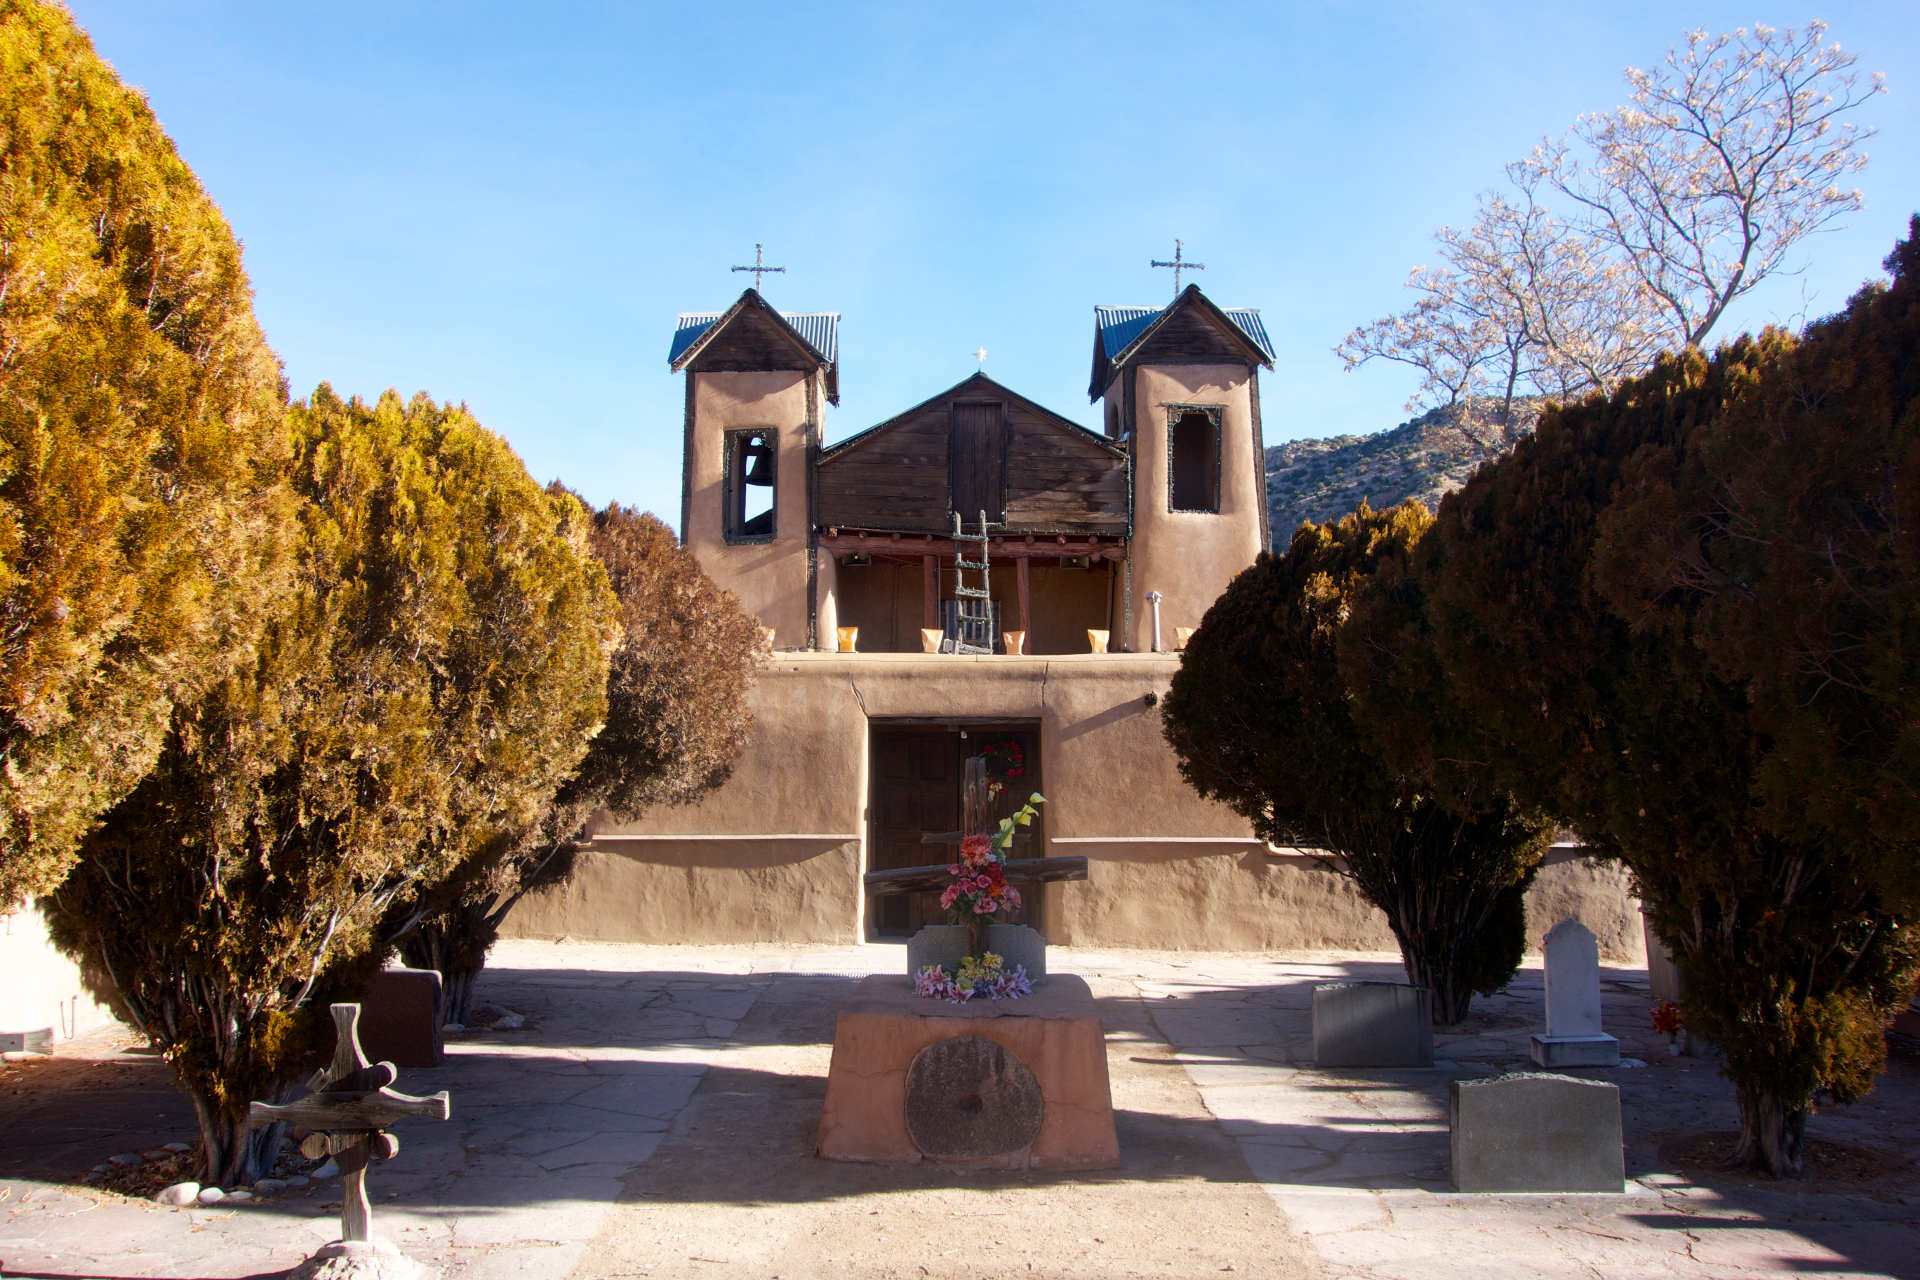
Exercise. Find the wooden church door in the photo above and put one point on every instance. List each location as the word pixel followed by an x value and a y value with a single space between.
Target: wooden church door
pixel 916 776
pixel 977 460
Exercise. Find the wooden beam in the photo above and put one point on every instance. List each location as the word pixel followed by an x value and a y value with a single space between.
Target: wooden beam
pixel 884 884
pixel 930 592
pixel 1026 616
pixel 1111 547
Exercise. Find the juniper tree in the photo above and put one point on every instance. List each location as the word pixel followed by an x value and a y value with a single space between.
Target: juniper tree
pixel 677 719
pixel 1263 718
pixel 1680 618
pixel 140 443
pixel 437 672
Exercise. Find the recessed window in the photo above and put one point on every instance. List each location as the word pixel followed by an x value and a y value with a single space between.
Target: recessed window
pixel 1193 458
pixel 749 487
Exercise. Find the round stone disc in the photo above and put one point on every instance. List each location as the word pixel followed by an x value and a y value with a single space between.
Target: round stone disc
pixel 968 1097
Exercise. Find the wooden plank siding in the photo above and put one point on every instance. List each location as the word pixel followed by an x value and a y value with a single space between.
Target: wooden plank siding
pixel 1189 336
pixel 1058 478
pixel 751 343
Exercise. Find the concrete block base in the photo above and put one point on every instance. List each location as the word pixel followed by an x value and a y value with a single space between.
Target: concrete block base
pixel 1055 1034
pixel 1555 1052
pixel 1536 1132
pixel 1372 1024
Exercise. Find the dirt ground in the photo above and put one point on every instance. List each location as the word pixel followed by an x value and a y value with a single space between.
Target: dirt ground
pixel 1182 1204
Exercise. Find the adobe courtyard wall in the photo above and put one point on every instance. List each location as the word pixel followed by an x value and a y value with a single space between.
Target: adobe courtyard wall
pixel 776 854
pixel 43 990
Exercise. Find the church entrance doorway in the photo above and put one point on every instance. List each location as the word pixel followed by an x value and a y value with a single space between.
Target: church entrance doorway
pixel 916 777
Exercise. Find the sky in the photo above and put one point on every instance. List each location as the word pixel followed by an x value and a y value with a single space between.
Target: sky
pixel 507 205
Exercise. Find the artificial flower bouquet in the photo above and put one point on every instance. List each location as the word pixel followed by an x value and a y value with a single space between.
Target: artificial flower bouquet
pixel 983 976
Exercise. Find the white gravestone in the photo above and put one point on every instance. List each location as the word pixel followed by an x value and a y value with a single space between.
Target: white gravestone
pixel 1574 1037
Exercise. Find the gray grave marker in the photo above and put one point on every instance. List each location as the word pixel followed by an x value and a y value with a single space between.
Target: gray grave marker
pixel 1574 1037
pixel 1535 1132
pixel 1372 1024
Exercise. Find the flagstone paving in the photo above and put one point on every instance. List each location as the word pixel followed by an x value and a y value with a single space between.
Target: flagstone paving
pixel 658 1100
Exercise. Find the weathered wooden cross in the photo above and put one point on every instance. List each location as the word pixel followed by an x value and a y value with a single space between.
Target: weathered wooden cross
pixel 1178 266
pixel 976 818
pixel 759 269
pixel 347 1114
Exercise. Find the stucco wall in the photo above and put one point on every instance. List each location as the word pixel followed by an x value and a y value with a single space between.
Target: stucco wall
pixel 769 577
pixel 42 990
pixel 1189 557
pixel 777 853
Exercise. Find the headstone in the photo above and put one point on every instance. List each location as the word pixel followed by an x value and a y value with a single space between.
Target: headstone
pixel 1574 1037
pixel 1531 1131
pixel 39 1040
pixel 941 944
pixel 400 1018
pixel 969 1098
pixel 1017 944
pixel 1372 1024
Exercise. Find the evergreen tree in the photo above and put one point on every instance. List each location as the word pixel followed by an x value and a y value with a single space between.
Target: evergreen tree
pixel 1680 617
pixel 1262 717
pixel 437 672
pixel 141 522
pixel 677 719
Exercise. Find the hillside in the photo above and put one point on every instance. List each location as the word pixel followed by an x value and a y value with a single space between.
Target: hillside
pixel 1427 458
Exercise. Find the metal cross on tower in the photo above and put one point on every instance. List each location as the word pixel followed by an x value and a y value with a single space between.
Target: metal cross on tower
pixel 1178 266
pixel 759 267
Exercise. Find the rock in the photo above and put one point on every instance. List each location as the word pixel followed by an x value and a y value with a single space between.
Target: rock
pixel 179 1195
pixel 510 1022
pixel 269 1187
pixel 23 1055
pixel 158 1153
pixel 298 1180
pixel 967 1097
pixel 92 1178
pixel 238 1197
pixel 177 1147
pixel 126 1160
pixel 455 1026
pixel 211 1195
pixel 327 1170
pixel 359 1260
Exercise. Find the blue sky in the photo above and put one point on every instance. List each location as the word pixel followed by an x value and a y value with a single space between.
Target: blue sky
pixel 508 204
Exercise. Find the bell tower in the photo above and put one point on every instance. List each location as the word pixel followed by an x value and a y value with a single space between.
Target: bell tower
pixel 1181 392
pixel 756 383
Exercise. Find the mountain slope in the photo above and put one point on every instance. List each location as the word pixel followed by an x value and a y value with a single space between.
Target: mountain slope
pixel 1427 458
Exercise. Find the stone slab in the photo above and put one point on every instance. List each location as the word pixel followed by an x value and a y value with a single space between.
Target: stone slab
pixel 1556 1052
pixel 1019 944
pixel 1531 1131
pixel 1372 1024
pixel 1055 1033
pixel 946 945
pixel 400 1018
pixel 1572 961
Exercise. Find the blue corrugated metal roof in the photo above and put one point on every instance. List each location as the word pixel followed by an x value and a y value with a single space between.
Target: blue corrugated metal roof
pixel 1119 326
pixel 820 329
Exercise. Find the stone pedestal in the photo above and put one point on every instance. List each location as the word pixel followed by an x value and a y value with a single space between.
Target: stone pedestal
pixel 1007 1084
pixel 1533 1132
pixel 1372 1024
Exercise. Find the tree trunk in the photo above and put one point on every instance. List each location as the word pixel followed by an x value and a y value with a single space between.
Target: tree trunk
pixel 235 1156
pixel 455 946
pixel 1446 981
pixel 1773 1134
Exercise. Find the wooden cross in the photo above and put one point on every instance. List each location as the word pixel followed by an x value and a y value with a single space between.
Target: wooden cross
pixel 976 816
pixel 1178 266
pixel 759 269
pixel 347 1113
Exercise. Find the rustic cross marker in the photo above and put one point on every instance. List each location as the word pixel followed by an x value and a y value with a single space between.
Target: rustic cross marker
pixel 759 269
pixel 975 817
pixel 1178 266
pixel 347 1114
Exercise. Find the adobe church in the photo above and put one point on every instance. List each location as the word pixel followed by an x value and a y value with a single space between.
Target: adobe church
pixel 1042 637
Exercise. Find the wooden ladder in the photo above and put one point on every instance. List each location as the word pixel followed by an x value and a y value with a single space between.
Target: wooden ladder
pixel 973 606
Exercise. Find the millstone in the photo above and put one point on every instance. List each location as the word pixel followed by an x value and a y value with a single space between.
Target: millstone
pixel 968 1097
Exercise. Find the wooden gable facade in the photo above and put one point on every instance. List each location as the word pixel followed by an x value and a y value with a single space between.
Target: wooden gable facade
pixel 977 446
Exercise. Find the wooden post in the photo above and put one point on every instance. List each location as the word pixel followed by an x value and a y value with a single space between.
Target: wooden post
pixel 930 591
pixel 976 817
pixel 1026 619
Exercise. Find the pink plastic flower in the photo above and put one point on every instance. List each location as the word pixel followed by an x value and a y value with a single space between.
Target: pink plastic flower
pixel 975 850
